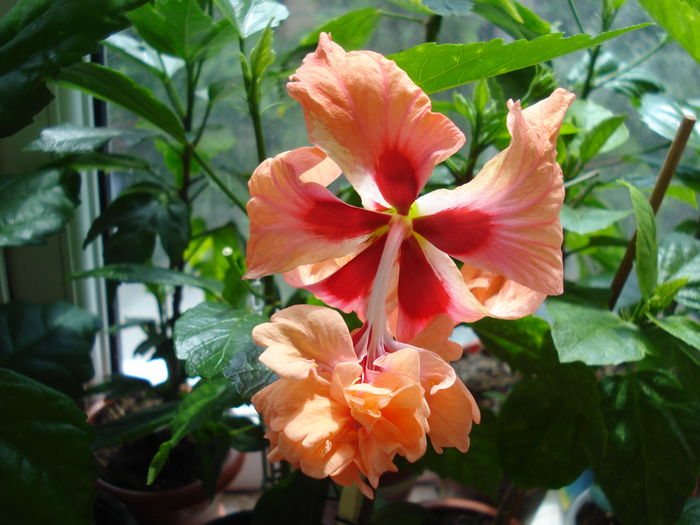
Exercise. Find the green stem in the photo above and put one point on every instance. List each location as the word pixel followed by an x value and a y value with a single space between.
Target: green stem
pixel 590 73
pixel 170 90
pixel 576 17
pixel 216 180
pixel 646 56
pixel 399 16
pixel 432 28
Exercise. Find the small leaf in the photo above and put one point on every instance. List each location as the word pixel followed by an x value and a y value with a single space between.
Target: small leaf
pixel 245 435
pixel 209 335
pixel 646 254
pixel 663 115
pixel 69 138
pixel 436 67
pixel 351 30
pixel 691 512
pixel 247 373
pixel 587 116
pixel 595 139
pixel 594 336
pixel 37 205
pixel 684 328
pixel 252 16
pixel 140 273
pixel 651 460
pixel 162 66
pixel 262 56
pixel 45 455
pixel 511 16
pixel 112 86
pixel 679 258
pixel 665 293
pixel 585 220
pixel 134 425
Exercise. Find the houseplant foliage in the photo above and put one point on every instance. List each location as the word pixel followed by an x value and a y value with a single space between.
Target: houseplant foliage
pixel 612 388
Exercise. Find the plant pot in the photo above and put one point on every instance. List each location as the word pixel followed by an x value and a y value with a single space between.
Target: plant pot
pixel 584 511
pixel 458 510
pixel 187 505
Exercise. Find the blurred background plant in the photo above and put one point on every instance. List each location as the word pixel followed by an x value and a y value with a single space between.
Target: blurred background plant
pixel 195 99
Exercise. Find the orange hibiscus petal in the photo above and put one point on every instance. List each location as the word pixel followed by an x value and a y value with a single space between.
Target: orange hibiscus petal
pixel 506 220
pixel 295 220
pixel 435 337
pixel 373 121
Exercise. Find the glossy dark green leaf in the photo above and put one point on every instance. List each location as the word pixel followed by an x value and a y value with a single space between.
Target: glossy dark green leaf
pixel 662 114
pixel 684 328
pixel 115 87
pixel 679 258
pixel 262 55
pixel 595 139
pixel 103 161
pixel 436 67
pixel 588 116
pixel 647 253
pixel 140 273
pixel 247 373
pixel 594 335
pixel 252 16
pixel 50 343
pixel 549 427
pixel 209 335
pixel 181 28
pixel 585 219
pixel 680 19
pixel 651 462
pixel 691 512
pixel 45 457
pixel 511 16
pixel 37 38
pixel 351 30
pixel 141 53
pixel 205 403
pixel 69 138
pixel 36 205
pixel 245 435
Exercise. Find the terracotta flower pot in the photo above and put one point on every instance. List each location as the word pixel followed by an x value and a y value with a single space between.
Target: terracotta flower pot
pixel 187 505
pixel 466 505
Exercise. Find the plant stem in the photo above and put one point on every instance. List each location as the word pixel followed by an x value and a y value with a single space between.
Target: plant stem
pixel 576 17
pixel 399 16
pixel 646 56
pixel 662 182
pixel 432 28
pixel 354 507
pixel 215 178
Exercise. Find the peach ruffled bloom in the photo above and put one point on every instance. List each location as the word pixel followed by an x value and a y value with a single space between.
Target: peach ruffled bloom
pixel 333 413
pixel 369 121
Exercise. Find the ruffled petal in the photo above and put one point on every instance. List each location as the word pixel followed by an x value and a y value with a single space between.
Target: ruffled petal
pixel 373 121
pixel 436 338
pixel 295 220
pixel 430 284
pixel 506 220
pixel 502 297
pixel 304 338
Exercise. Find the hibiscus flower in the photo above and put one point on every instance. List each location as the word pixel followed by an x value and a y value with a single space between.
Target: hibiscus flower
pixel 489 247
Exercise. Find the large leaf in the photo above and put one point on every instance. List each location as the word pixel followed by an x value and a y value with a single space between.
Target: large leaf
pixel 646 253
pixel 550 427
pixel 115 87
pixel 601 131
pixel 206 403
pixel 436 67
pixel 37 38
pixel 37 205
pixel 652 458
pixel 141 53
pixel 691 512
pixel 181 28
pixel 511 16
pixel 247 373
pixel 141 273
pixel 594 335
pixel 209 335
pixel 134 425
pixel 252 16
pixel 351 30
pixel 680 19
pixel 684 328
pixel 286 495
pixel 679 258
pixel 70 138
pixel 663 115
pixel 50 343
pixel 585 220
pixel 46 462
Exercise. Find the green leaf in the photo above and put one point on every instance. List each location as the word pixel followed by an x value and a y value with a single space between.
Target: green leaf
pixel 480 467
pixel 209 335
pixel 594 140
pixel 646 255
pixel 663 115
pixel 252 16
pixel 205 403
pixel 691 512
pixel 105 161
pixel 651 461
pixel 37 205
pixel 436 67
pixel 112 86
pixel 664 294
pixel 351 30
pixel 245 435
pixel 684 328
pixel 550 426
pixel 286 495
pixel 679 258
pixel 69 138
pixel 587 116
pixel 247 373
pixel 181 28
pixel 585 220
pixel 141 273
pixel 50 343
pixel 134 425
pixel 680 19
pixel 162 66
pixel 45 455
pixel 594 336
pixel 511 16
pixel 37 37
pixel 262 56
pixel 448 7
